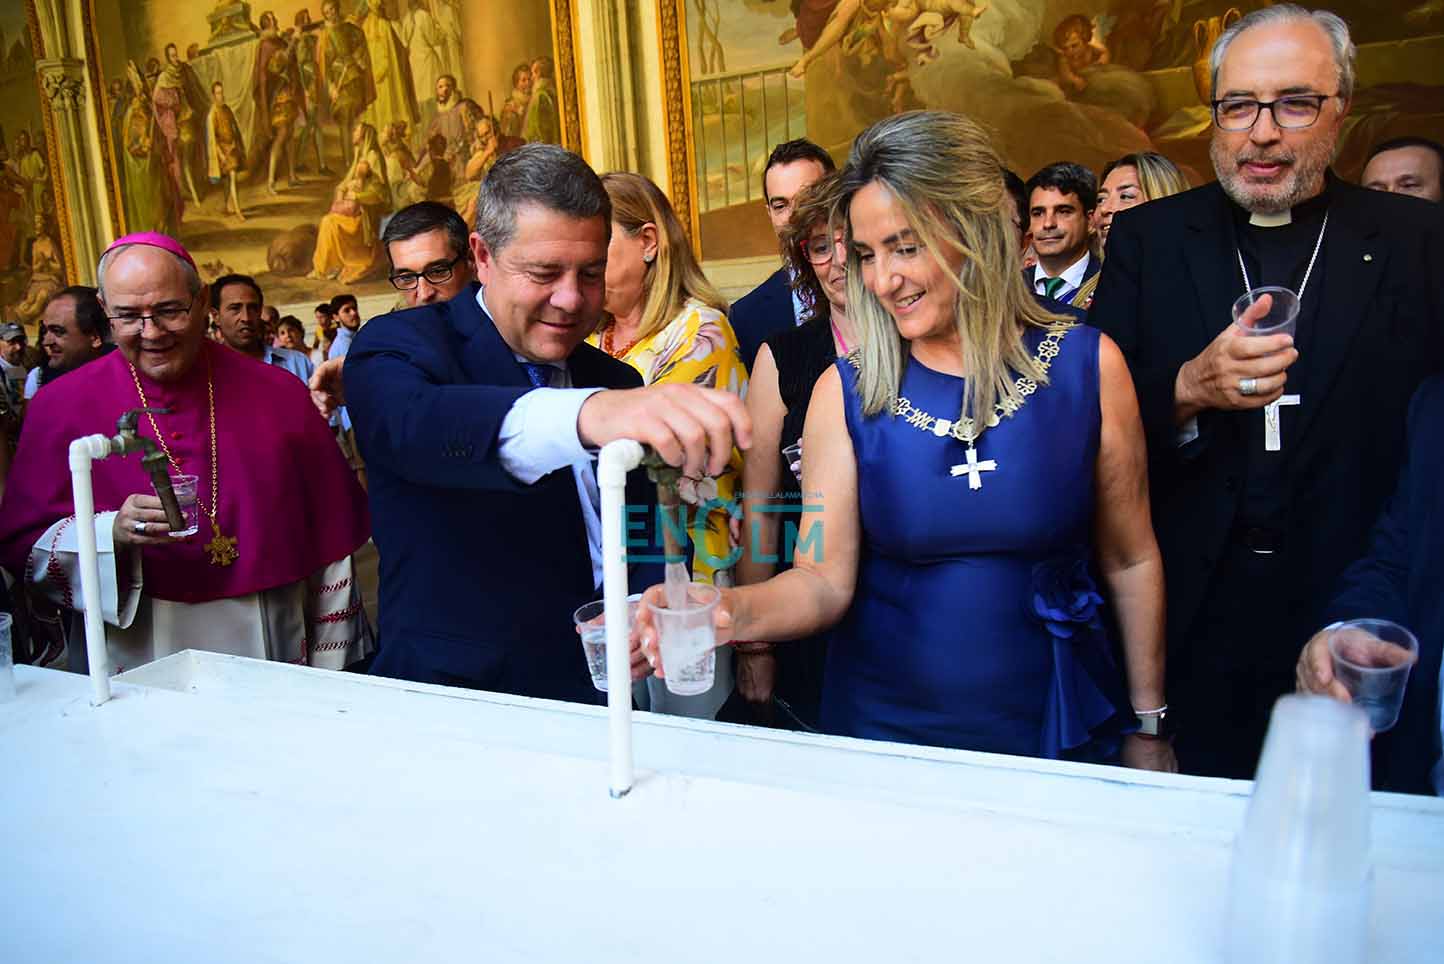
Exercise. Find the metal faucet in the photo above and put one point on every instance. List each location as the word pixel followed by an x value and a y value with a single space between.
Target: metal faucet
pixel 152 459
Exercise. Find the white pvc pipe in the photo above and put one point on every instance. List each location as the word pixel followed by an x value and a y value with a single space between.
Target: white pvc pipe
pixel 613 463
pixel 82 452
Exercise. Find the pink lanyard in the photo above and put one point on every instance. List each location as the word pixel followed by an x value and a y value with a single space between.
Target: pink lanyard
pixel 836 331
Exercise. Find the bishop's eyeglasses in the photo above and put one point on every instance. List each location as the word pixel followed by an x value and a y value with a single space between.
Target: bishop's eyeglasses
pixel 1290 113
pixel 436 274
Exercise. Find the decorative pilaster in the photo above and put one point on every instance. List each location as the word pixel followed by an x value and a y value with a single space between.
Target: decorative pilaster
pixel 65 84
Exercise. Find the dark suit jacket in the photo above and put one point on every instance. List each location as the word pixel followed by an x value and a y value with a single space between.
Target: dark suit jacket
pixel 480 574
pixel 1167 290
pixel 761 313
pixel 1400 579
pixel 1095 264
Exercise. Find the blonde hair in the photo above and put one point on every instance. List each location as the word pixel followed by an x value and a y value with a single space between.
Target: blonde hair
pixel 942 170
pixel 1158 177
pixel 675 277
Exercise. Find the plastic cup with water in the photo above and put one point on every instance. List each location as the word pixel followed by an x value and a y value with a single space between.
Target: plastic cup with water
pixel 1372 659
pixel 688 640
pixel 792 454
pixel 1282 317
pixel 7 660
pixel 592 627
pixel 184 487
pixel 1301 883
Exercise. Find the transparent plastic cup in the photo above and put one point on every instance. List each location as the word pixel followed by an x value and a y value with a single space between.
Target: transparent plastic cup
pixel 1301 882
pixel 1283 313
pixel 793 455
pixel 688 640
pixel 592 628
pixel 1372 658
pixel 7 660
pixel 184 487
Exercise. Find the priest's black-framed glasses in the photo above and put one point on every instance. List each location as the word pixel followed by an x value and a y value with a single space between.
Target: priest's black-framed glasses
pixel 1291 113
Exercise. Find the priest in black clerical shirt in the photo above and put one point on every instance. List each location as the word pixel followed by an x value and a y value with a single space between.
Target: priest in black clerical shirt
pixel 1269 456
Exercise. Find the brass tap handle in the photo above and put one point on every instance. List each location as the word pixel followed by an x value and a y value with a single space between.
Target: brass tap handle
pixel 128 422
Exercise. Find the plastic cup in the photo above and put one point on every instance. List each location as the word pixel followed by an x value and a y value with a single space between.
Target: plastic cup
pixel 793 455
pixel 184 487
pixel 1301 882
pixel 688 640
pixel 592 627
pixel 7 660
pixel 1282 317
pixel 1372 658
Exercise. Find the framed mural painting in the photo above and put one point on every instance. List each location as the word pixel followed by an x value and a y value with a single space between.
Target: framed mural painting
pixel 1078 80
pixel 35 249
pixel 276 138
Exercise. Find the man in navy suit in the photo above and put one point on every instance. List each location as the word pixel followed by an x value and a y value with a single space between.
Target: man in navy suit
pixel 1399 579
pixel 771 307
pixel 1061 201
pixel 478 417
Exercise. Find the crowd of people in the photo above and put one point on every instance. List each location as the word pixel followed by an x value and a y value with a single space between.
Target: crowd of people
pixel 986 464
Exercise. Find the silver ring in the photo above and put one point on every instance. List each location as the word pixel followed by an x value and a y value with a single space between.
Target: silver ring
pixel 138 527
pixel 1248 386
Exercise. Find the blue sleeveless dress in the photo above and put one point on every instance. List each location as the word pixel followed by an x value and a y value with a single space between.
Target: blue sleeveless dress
pixel 975 623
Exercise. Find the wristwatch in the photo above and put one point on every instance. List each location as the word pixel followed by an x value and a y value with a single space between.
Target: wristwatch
pixel 1154 723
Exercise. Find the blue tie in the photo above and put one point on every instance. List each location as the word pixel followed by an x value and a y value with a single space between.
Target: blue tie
pixel 539 375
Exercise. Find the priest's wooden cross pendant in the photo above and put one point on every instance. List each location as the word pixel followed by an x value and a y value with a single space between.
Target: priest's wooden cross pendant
pixel 973 468
pixel 221 549
pixel 1273 438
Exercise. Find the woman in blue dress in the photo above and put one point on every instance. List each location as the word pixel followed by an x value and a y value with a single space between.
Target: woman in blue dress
pixel 965 470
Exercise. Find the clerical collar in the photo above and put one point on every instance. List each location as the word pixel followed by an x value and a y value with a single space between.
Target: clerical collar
pixel 1311 210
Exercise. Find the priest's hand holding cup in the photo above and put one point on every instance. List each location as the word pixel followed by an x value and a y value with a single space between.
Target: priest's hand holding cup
pixel 644 625
pixel 692 428
pixel 1236 371
pixel 1314 672
pixel 327 392
pixel 141 522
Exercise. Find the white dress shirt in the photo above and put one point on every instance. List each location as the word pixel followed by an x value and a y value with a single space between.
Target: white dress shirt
pixel 539 436
pixel 1072 278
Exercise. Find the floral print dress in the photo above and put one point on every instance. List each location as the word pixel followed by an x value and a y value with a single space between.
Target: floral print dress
pixel 699 347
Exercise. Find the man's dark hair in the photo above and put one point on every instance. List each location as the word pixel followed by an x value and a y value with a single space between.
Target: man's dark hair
pixel 291 321
pixel 325 308
pixel 540 174
pixel 90 315
pixel 1066 178
pixel 800 149
pixel 343 299
pixel 1395 143
pixel 1015 187
pixel 233 279
pixel 422 217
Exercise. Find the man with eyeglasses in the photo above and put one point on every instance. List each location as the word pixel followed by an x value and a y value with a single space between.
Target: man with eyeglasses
pixel 267 572
pixel 1270 453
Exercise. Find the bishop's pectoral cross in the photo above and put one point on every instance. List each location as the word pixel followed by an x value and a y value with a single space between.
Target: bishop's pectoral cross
pixel 1273 438
pixel 974 469
pixel 222 549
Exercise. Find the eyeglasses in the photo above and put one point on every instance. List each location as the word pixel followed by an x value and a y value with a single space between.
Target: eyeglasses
pixel 436 274
pixel 1294 112
pixel 821 250
pixel 169 317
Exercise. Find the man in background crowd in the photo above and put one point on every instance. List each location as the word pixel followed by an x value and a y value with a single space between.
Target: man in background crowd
pixel 1061 199
pixel 1407 165
pixel 237 309
pixel 73 332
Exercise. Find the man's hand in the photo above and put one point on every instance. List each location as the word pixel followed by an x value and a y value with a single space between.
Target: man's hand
pixel 144 509
pixel 1211 380
pixel 690 427
pixel 1314 672
pixel 327 393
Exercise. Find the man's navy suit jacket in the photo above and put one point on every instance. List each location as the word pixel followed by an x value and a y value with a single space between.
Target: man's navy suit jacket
pixel 1402 579
pixel 761 313
pixel 480 574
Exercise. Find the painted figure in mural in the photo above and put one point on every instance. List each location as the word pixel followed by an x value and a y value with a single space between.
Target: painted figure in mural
pixel 280 98
pixel 28 165
pixel 1076 52
pixel 47 274
pixel 448 19
pixel 151 203
pixel 345 65
pixel 227 152
pixel 310 71
pixel 400 166
pixel 390 67
pixel 513 111
pixel 426 45
pixel 450 123
pixel 179 106
pixel 12 212
pixel 348 244
pixel 485 149
pixel 543 119
pixel 118 97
